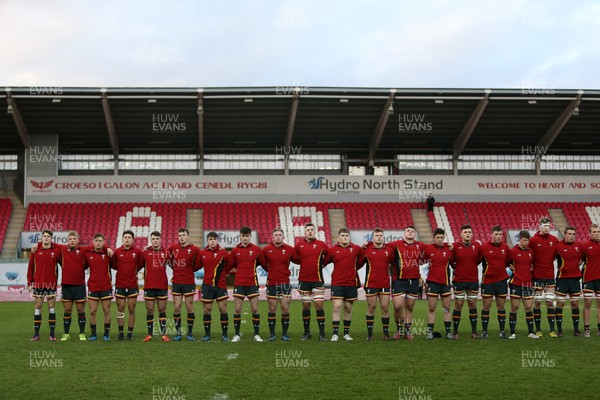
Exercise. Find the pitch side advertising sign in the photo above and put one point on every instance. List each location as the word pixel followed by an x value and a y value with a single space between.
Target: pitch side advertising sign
pixel 402 188
pixel 29 239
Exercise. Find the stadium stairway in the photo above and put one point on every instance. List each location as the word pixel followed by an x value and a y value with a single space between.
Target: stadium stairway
pixel 15 226
pixel 558 217
pixel 421 220
pixel 194 223
pixel 337 220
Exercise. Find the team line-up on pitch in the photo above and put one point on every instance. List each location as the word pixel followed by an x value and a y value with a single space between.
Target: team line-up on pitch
pixel 393 273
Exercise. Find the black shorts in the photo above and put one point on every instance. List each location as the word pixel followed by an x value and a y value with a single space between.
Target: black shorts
pixel 498 289
pixel 44 292
pixel 159 294
pixel 466 290
pixel 101 295
pixel 408 287
pixel 73 293
pixel 369 292
pixel 183 289
pixel 309 286
pixel 591 287
pixel 542 284
pixel 210 293
pixel 521 292
pixel 344 292
pixel 245 291
pixel 568 286
pixel 435 289
pixel 280 290
pixel 122 293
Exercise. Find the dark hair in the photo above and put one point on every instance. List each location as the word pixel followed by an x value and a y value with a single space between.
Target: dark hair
pixel 212 234
pixel 410 226
pixel 128 232
pixel 244 230
pixel 49 232
pixel 155 233
pixel 343 230
pixel 439 231
pixel 524 235
pixel 465 226
pixel 497 228
pixel 277 230
pixel 310 224
pixel 570 228
pixel 377 230
pixel 183 230
pixel 97 235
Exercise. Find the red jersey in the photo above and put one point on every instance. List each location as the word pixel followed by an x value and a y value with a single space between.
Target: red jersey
pixel 591 260
pixel 214 262
pixel 346 262
pixel 378 261
pixel 72 263
pixel 407 258
pixel 127 263
pixel 277 263
pixel 522 261
pixel 100 278
pixel 42 272
pixel 568 259
pixel 245 259
pixel 440 258
pixel 184 261
pixel 543 248
pixel 496 257
pixel 466 259
pixel 310 255
pixel 154 263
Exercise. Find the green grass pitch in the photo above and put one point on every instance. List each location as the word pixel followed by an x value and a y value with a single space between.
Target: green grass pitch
pixel 564 368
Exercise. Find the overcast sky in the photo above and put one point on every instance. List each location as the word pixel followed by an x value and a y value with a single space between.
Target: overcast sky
pixel 399 43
